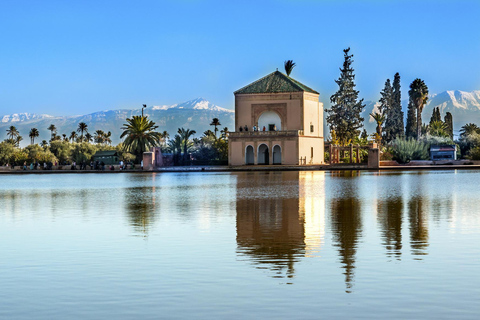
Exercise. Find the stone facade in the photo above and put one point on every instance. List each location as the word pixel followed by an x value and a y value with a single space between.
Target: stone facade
pixel 290 127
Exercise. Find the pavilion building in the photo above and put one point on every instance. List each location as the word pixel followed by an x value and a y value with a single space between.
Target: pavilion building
pixel 288 121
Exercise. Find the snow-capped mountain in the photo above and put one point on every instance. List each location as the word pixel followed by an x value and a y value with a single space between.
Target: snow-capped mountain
pixel 195 114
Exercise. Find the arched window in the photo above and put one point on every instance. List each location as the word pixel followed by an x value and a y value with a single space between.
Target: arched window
pixel 270 120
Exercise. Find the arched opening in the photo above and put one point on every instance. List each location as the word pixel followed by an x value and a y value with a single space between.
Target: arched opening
pixel 249 157
pixel 263 154
pixel 270 120
pixel 277 155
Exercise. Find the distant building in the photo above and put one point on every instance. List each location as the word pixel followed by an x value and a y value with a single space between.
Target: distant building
pixel 108 157
pixel 445 152
pixel 288 119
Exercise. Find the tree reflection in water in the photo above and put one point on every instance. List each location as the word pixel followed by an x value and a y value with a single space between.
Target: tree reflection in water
pixel 418 219
pixel 141 206
pixel 390 219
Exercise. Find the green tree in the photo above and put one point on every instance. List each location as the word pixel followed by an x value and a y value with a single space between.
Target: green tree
pixel 33 134
pixel 73 136
pixel 224 133
pixel 12 133
pixel 140 135
pixel 215 123
pixel 88 137
pixel 394 124
pixel 289 65
pixel 44 144
pixel 82 127
pixel 469 129
pixel 344 115
pixel 175 147
pixel 449 122
pixel 411 127
pixel 418 95
pixel 185 135
pixel 435 115
pixel 53 131
pixel 379 119
pixel 61 149
pixel 438 129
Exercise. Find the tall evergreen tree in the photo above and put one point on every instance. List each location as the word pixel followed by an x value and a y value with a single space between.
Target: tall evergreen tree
pixel 435 115
pixel 411 127
pixel 344 116
pixel 418 96
pixel 385 108
pixel 449 122
pixel 394 124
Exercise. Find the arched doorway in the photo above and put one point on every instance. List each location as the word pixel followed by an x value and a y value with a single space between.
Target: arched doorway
pixel 249 157
pixel 277 155
pixel 263 154
pixel 270 120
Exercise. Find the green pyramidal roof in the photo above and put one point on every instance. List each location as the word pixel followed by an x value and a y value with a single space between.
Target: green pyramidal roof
pixel 275 82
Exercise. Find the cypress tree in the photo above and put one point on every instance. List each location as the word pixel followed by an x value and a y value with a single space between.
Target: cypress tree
pixel 411 127
pixel 449 123
pixel 344 115
pixel 394 125
pixel 385 108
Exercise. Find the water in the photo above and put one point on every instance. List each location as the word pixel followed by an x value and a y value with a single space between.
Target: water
pixel 299 245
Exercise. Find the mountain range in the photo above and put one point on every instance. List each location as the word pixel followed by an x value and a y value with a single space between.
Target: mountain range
pixel 197 115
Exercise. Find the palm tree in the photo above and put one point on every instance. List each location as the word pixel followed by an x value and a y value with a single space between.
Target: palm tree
pixel 107 136
pixel 44 144
pixel 82 127
pixel 99 136
pixel 64 137
pixel 12 132
pixel 438 129
pixel 289 65
pixel 140 135
pixel 175 147
pixel 17 140
pixel 379 119
pixel 215 122
pixel 53 131
pixel 73 136
pixel 419 94
pixel 33 134
pixel 468 129
pixel 224 132
pixel 185 135
pixel 88 137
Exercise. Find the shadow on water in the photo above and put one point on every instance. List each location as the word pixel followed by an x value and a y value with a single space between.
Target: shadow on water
pixel 277 220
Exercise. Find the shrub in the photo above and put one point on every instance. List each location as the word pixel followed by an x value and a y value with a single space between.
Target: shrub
pixel 474 153
pixel 404 150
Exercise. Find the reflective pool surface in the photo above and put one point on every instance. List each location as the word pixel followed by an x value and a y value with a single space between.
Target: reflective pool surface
pixel 258 245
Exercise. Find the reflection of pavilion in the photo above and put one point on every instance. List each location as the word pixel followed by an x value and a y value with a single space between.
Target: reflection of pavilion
pixel 280 218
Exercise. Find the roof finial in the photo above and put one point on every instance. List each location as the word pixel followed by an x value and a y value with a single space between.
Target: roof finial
pixel 277 69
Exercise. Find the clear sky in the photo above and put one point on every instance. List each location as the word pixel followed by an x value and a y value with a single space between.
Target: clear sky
pixel 77 57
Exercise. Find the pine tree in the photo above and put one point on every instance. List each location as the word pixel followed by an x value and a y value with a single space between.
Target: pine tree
pixel 449 123
pixel 411 127
pixel 394 124
pixel 344 116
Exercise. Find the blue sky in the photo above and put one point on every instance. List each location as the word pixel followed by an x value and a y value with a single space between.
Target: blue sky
pixel 76 57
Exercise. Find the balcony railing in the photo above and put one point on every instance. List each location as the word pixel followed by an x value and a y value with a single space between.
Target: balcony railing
pixel 244 134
